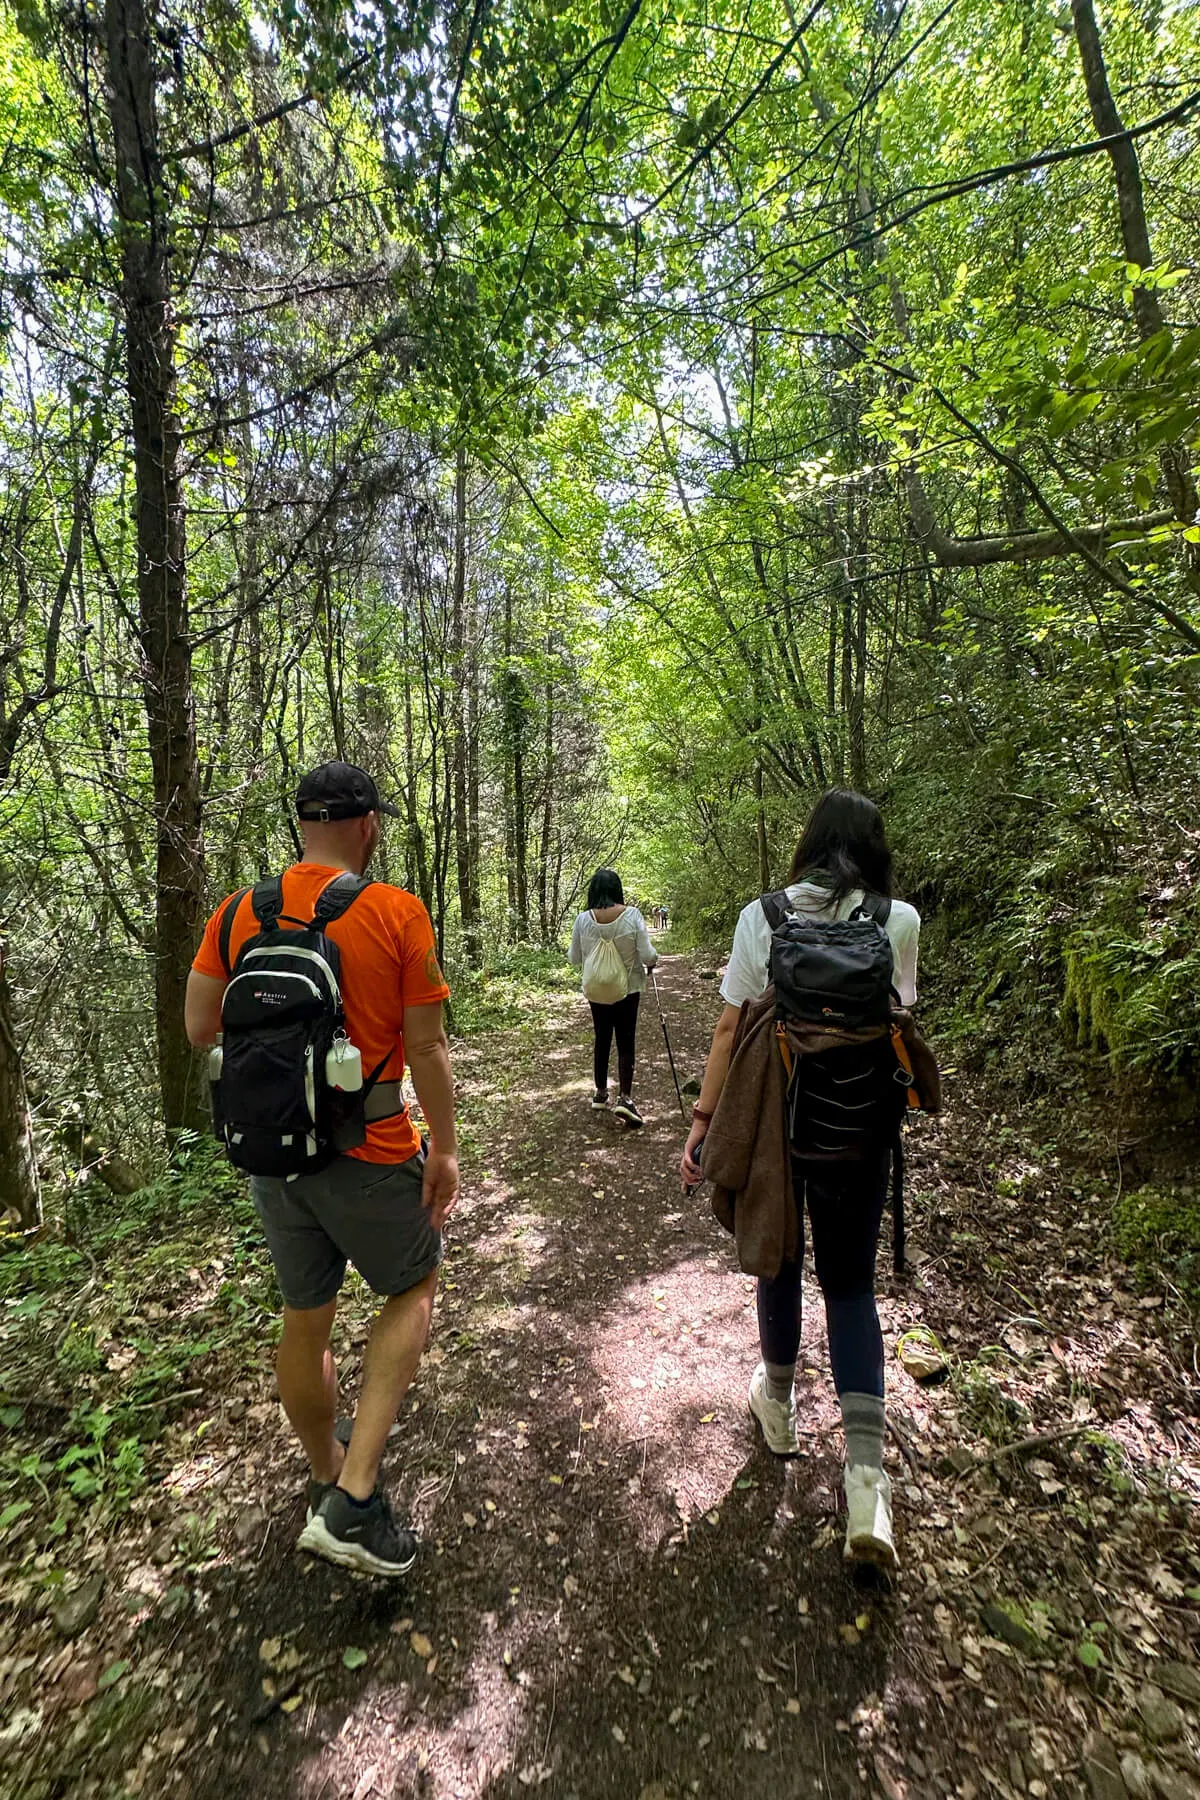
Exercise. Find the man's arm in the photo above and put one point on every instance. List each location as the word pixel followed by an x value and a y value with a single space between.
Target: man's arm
pixel 202 1009
pixel 428 1056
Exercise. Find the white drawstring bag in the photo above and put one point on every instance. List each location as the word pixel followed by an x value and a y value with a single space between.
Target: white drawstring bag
pixel 605 977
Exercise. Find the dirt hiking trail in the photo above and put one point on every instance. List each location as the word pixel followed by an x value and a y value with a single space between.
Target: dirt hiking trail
pixel 622 1595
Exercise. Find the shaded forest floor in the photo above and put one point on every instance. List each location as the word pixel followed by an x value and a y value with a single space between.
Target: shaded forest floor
pixel 621 1592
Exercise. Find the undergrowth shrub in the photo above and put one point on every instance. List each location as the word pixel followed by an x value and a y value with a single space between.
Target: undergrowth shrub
pixel 108 1339
pixel 502 993
pixel 1157 1232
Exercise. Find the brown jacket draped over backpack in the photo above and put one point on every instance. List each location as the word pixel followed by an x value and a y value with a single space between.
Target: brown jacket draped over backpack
pixel 747 1151
pixel 747 1156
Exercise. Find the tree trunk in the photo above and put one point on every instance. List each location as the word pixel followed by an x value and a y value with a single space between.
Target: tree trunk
pixel 858 699
pixel 547 801
pixel 20 1185
pixel 474 853
pixel 508 749
pixel 256 680
pixel 521 835
pixel 467 898
pixel 330 633
pixel 760 823
pixel 417 858
pixel 1135 240
pixel 145 255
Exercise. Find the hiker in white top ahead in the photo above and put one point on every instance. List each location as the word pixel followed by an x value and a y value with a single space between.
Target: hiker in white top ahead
pixel 842 870
pixel 611 945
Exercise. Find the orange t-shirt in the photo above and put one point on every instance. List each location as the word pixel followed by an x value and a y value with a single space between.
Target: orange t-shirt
pixel 389 961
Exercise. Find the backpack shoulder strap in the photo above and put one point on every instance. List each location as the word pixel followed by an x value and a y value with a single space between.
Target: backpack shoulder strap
pixel 338 896
pixel 899 1236
pixel 776 907
pixel 266 897
pixel 225 929
pixel 875 906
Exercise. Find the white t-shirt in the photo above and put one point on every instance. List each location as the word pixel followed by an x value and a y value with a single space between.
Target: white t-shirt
pixel 749 961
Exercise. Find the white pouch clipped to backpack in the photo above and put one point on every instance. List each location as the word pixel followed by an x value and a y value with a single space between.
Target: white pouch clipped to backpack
pixel 605 977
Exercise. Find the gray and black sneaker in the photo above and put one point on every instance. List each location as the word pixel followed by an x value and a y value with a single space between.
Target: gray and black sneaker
pixel 317 1490
pixel 314 1494
pixel 364 1537
pixel 600 1099
pixel 626 1111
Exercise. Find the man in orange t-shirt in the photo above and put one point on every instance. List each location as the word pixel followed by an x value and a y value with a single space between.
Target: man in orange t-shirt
pixel 381 1206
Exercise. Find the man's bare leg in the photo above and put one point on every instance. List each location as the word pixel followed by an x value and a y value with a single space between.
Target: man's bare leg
pixel 308 1385
pixel 393 1352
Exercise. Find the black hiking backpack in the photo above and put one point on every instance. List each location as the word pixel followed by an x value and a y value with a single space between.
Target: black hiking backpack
pixel 273 1108
pixel 848 1091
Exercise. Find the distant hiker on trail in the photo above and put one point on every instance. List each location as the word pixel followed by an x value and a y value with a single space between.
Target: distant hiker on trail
pixel 611 945
pixel 322 985
pixel 839 1112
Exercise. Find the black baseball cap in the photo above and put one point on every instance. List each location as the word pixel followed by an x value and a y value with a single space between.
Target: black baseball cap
pixel 338 790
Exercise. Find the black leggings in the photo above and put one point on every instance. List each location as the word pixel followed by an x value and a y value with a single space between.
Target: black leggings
pixel 620 1019
pixel 845 1208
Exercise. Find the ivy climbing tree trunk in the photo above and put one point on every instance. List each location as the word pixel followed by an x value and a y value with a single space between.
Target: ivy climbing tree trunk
pixel 143 232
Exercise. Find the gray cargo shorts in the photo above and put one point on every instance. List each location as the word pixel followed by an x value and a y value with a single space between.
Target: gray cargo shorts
pixel 369 1214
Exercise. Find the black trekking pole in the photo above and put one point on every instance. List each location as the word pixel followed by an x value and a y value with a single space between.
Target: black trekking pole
pixel 667 1041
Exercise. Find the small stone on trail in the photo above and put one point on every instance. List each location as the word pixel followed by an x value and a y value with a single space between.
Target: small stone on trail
pixel 691 1089
pixel 1180 1679
pixel 1102 1768
pixel 1161 1717
pixel 1136 1776
pixel 1169 1784
pixel 248 1525
pixel 919 1355
pixel 75 1611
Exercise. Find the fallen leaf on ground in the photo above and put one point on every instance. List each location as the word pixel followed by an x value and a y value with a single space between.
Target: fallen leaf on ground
pixel 365 1782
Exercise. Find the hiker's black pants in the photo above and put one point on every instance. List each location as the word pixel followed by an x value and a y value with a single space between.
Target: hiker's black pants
pixel 845 1204
pixel 619 1020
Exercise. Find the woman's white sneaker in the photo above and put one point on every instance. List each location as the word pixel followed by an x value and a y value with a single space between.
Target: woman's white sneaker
pixel 869 1522
pixel 776 1417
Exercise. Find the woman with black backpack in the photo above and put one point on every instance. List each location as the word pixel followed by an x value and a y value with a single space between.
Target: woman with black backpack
pixel 611 945
pixel 842 869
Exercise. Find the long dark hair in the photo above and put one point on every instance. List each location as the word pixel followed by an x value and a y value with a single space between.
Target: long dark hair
pixel 604 889
pixel 845 843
